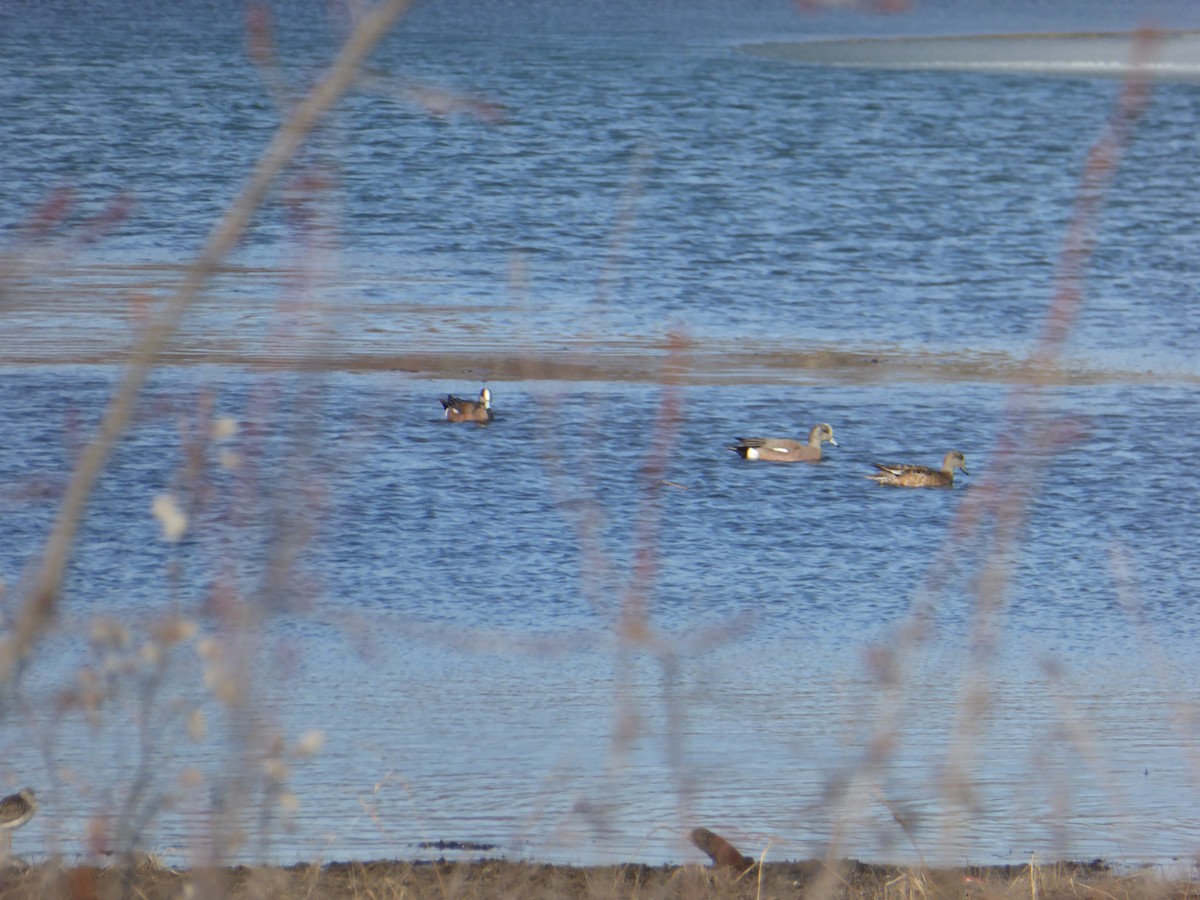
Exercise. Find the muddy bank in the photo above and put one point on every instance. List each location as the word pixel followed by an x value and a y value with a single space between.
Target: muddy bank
pixel 96 315
pixel 646 361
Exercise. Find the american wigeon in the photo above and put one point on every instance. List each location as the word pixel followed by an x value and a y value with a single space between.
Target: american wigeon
pixel 460 410
pixel 921 476
pixel 785 449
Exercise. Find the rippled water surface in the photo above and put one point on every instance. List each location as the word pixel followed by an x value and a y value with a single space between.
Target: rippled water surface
pixel 582 629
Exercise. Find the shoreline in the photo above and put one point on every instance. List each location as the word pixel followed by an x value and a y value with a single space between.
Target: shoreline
pixel 148 879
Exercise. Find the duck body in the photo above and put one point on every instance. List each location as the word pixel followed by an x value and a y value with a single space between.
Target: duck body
pixel 921 476
pixel 460 410
pixel 723 854
pixel 785 449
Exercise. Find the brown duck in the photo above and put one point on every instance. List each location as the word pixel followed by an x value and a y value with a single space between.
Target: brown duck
pixel 460 410
pixel 723 854
pixel 921 476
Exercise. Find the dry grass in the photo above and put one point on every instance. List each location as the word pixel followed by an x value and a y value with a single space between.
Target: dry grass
pixel 388 880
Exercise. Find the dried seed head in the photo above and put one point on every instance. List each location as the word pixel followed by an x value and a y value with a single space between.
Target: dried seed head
pixel 107 633
pixel 151 654
pixel 174 630
pixel 310 743
pixel 223 428
pixel 196 725
pixel 173 520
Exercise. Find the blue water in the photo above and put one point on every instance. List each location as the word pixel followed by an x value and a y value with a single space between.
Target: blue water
pixel 515 634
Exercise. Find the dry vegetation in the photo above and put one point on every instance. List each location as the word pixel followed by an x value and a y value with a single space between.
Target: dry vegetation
pixel 385 880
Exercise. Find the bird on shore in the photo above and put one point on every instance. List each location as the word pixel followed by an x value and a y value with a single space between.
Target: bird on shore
pixel 723 854
pixel 460 410
pixel 17 809
pixel 921 476
pixel 786 449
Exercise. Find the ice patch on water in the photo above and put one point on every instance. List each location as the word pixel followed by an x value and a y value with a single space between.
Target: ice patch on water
pixel 1171 55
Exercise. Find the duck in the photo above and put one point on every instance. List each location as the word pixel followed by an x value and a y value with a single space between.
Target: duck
pixel 460 410
pixel 921 476
pixel 786 449
pixel 723 854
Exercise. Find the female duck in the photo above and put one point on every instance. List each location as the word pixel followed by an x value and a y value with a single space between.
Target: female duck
pixel 921 476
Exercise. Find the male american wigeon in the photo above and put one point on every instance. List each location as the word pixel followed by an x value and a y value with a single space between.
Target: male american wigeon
pixel 785 449
pixel 460 410
pixel 921 476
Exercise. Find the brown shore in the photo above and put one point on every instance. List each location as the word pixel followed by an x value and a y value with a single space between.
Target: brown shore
pixel 504 879
pixel 644 362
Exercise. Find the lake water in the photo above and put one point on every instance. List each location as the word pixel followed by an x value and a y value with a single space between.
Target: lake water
pixel 578 632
